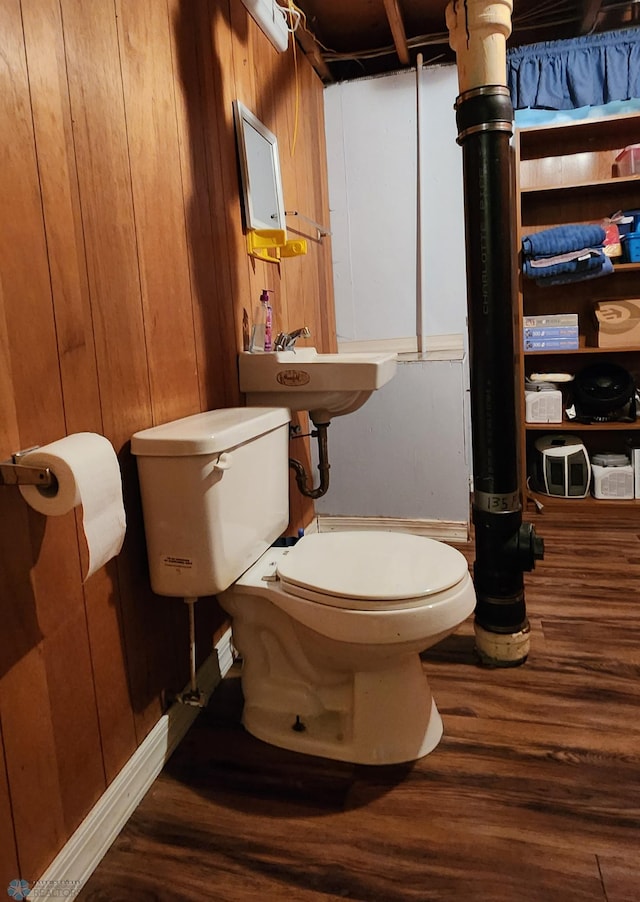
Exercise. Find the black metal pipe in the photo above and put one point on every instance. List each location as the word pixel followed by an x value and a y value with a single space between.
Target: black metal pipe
pixel 505 547
pixel 302 479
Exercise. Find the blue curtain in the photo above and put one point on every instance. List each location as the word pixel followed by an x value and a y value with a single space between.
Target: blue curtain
pixel 585 71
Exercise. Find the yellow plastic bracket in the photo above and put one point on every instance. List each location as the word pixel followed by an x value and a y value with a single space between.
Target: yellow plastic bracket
pixel 294 247
pixel 272 244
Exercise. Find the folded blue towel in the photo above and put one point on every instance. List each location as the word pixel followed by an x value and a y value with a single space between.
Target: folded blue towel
pixel 589 259
pixel 562 239
pixel 605 268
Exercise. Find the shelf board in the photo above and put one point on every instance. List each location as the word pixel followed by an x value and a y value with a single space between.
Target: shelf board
pixel 564 138
pixel 617 267
pixel 567 426
pixel 553 502
pixel 597 184
pixel 583 349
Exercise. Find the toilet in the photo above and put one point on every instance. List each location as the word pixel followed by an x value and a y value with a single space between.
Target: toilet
pixel 329 627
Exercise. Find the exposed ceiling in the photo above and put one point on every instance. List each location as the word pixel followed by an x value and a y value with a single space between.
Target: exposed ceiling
pixel 346 39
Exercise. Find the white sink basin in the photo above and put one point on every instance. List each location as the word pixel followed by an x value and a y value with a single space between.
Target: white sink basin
pixel 327 385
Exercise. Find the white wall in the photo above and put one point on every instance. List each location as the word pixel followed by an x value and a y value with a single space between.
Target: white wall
pixel 405 454
pixel 372 146
pixel 372 159
pixel 444 289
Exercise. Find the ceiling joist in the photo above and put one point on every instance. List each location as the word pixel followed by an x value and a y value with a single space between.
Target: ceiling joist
pixel 590 11
pixel 313 52
pixel 358 31
pixel 397 30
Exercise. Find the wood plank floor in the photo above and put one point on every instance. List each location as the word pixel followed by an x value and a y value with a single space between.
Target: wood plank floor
pixel 533 795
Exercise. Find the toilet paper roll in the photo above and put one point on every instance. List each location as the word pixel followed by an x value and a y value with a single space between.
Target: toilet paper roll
pixel 87 472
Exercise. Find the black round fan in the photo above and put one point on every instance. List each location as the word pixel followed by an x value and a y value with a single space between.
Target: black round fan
pixel 603 392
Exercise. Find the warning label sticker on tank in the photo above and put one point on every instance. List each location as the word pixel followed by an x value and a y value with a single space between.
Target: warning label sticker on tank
pixel 170 560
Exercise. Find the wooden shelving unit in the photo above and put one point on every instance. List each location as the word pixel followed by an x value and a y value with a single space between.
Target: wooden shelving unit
pixel 566 173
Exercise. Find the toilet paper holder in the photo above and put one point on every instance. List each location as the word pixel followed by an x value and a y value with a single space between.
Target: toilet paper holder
pixel 12 472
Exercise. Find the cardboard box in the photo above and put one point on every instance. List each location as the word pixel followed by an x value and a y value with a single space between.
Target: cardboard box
pixel 618 323
pixel 552 344
pixel 553 332
pixel 549 320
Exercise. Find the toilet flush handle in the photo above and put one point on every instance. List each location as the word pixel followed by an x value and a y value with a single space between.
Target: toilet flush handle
pixel 223 462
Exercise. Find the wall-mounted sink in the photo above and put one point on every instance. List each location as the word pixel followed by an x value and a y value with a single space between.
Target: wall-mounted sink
pixel 326 385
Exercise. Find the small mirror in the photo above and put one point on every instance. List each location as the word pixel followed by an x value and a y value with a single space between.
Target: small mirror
pixel 260 171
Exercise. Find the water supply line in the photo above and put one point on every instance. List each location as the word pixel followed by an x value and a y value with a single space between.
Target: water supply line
pixel 193 695
pixel 505 546
pixel 302 478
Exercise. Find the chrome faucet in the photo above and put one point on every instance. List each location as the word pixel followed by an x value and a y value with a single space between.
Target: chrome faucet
pixel 286 341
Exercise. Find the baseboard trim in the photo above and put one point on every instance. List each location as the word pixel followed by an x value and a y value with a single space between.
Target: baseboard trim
pixel 454 531
pixel 81 855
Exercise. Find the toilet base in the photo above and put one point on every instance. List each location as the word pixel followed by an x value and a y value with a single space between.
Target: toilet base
pixel 388 716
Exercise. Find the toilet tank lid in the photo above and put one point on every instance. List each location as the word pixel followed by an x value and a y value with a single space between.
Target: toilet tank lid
pixel 209 432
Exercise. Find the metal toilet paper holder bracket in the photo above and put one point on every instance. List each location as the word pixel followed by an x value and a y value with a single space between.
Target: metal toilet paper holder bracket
pixel 12 472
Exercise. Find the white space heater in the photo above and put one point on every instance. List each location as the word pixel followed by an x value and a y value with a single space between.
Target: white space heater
pixel 612 476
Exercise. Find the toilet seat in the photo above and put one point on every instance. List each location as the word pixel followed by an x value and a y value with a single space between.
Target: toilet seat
pixel 371 570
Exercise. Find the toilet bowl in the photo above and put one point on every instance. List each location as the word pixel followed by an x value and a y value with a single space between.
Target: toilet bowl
pixel 331 630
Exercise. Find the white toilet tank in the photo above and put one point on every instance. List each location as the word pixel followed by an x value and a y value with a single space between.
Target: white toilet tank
pixel 215 495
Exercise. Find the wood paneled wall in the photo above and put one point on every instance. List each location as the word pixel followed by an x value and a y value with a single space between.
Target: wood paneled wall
pixel 125 295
